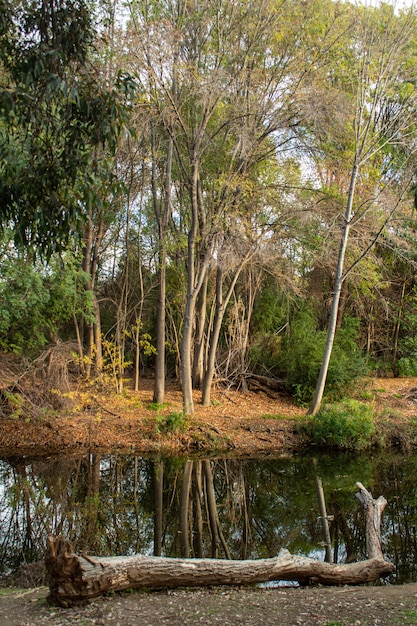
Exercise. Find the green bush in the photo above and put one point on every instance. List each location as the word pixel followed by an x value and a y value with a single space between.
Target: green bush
pixel 407 366
pixel 303 352
pixel 347 425
pixel 171 423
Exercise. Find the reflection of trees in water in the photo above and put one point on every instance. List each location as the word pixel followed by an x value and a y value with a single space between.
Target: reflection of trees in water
pixel 222 508
pixel 34 501
pixel 399 524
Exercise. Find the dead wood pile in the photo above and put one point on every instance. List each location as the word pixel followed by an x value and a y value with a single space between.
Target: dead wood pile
pixel 27 388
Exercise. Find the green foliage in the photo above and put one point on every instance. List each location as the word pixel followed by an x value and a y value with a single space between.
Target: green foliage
pixel 270 310
pixel 156 406
pixel 171 423
pixel 37 301
pixel 302 354
pixel 269 321
pixel 407 366
pixel 347 425
pixel 55 116
pixel 407 345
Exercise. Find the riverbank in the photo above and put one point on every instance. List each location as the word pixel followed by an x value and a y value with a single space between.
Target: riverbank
pixel 236 423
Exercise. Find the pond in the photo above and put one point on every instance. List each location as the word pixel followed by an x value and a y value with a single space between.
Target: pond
pixel 226 508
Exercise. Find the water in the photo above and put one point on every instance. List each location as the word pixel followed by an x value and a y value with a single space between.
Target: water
pixel 116 504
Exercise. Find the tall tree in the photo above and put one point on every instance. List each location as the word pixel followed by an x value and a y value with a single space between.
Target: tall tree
pixel 236 68
pixel 381 120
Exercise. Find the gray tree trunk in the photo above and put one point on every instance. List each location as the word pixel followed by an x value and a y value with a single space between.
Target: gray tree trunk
pixel 331 332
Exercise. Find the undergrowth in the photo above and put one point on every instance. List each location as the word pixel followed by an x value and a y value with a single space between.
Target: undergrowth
pixel 171 423
pixel 345 425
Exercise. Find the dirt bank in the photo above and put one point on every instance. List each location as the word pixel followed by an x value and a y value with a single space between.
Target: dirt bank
pixel 237 423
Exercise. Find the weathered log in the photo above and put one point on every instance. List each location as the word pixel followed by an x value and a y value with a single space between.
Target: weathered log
pixel 74 579
pixel 273 383
pixel 273 387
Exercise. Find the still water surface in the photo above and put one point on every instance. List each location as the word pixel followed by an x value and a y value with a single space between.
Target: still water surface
pixel 226 508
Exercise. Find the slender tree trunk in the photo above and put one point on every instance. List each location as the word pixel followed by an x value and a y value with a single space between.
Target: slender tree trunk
pixel 91 245
pixel 163 218
pixel 87 253
pixel 321 382
pixel 195 280
pixel 214 339
pixel 217 537
pixel 397 329
pixel 159 383
pixel 221 304
pixel 199 343
pixel 246 530
pixel 324 519
pixel 198 514
pixel 97 336
pixel 139 309
pixel 79 343
pixel 91 530
pixel 211 509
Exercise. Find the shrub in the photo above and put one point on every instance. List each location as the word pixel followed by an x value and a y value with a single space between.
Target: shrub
pixel 303 352
pixel 347 425
pixel 171 423
pixel 407 366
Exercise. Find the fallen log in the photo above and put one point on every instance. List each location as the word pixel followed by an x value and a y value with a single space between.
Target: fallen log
pixel 74 579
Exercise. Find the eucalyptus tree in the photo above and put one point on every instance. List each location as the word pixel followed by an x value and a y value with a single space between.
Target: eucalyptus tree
pixel 54 114
pixel 378 139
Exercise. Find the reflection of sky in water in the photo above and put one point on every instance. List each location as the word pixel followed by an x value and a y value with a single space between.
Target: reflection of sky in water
pixel 106 505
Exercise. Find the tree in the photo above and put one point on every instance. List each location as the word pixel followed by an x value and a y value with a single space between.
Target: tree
pixel 381 119
pixel 222 80
pixel 55 113
pixel 38 302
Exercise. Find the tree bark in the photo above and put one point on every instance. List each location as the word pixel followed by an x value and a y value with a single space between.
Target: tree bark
pixel 74 579
pixel 199 340
pixel 158 477
pixel 184 506
pixel 197 490
pixel 162 215
pixel 324 518
pixel 374 509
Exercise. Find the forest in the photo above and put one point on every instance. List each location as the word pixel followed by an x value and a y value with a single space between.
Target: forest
pixel 210 191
